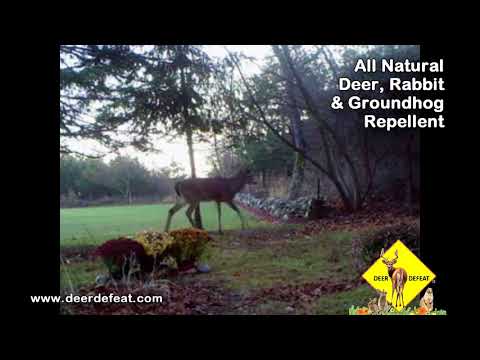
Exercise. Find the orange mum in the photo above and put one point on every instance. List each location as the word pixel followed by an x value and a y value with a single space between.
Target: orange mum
pixel 362 311
pixel 422 310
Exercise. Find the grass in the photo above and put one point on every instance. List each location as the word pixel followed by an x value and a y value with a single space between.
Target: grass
pixel 280 262
pixel 276 262
pixel 242 262
pixel 92 226
pixel 79 274
pixel 340 303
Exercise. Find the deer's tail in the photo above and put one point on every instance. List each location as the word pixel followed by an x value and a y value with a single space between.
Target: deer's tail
pixel 177 189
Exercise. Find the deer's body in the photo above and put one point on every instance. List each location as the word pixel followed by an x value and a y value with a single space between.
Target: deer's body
pixel 218 189
pixel 397 275
pixel 210 189
pixel 399 278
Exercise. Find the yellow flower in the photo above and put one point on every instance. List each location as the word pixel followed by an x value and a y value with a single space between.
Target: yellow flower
pixel 154 243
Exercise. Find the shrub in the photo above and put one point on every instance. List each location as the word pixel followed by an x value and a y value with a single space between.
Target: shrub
pixel 148 248
pixel 118 254
pixel 367 247
pixel 155 243
pixel 188 245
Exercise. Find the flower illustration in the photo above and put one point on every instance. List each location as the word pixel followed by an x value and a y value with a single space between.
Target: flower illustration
pixel 362 311
pixel 422 310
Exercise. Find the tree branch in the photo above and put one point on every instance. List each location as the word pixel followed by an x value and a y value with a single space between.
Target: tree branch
pixel 269 126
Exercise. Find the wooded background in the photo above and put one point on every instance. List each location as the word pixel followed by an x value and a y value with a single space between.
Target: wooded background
pixel 278 122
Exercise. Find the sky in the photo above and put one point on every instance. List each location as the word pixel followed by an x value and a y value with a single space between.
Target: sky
pixel 177 150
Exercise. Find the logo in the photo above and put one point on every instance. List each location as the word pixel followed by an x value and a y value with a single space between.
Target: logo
pixel 399 274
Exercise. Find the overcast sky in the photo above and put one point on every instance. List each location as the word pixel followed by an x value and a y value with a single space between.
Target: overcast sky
pixel 177 150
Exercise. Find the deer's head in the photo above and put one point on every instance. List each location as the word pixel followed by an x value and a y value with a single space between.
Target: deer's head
pixel 382 293
pixel 247 176
pixel 390 262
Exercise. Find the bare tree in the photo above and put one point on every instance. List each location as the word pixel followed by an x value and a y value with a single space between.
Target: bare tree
pixel 348 188
pixel 298 173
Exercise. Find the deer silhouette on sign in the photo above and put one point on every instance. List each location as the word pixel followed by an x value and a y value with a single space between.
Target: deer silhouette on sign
pixel 397 275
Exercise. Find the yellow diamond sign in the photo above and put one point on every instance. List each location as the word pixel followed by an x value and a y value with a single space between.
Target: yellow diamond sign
pixel 400 274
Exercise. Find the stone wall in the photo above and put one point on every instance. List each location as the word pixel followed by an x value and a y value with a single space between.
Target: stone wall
pixel 277 207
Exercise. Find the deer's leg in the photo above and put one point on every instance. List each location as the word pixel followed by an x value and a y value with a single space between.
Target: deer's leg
pixel 393 291
pixel 178 205
pixel 219 211
pixel 235 208
pixel 189 212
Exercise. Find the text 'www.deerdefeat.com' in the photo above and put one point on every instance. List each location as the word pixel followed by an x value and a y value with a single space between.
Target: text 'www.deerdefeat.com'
pixel 99 298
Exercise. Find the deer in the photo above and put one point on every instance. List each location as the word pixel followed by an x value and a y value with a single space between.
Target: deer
pixel 397 275
pixel 218 189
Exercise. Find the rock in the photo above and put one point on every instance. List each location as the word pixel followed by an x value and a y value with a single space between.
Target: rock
pixel 289 309
pixel 102 279
pixel 203 268
pixel 278 207
pixel 317 291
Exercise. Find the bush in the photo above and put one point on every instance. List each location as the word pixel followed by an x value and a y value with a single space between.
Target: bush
pixel 119 253
pixel 155 243
pixel 148 248
pixel 367 247
pixel 188 245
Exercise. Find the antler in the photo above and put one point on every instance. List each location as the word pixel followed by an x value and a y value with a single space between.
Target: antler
pixel 396 254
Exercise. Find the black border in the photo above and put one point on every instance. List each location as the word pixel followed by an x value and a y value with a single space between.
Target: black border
pixel 41 136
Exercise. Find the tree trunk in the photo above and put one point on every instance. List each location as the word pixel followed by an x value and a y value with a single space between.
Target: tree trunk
pixel 197 215
pixel 298 172
pixel 298 177
pixel 350 191
pixel 129 193
pixel 218 162
pixel 189 133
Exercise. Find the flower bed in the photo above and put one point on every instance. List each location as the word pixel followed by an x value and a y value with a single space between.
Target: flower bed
pixel 149 248
pixel 187 246
pixel 155 243
pixel 362 310
pixel 119 255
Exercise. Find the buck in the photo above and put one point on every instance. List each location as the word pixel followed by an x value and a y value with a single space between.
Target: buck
pixel 218 189
pixel 398 277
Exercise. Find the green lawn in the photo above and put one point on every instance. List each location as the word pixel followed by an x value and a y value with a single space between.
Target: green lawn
pixel 91 226
pixel 243 266
pixel 264 257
